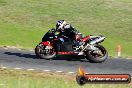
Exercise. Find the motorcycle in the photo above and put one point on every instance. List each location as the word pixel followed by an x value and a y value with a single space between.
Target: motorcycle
pixel 54 44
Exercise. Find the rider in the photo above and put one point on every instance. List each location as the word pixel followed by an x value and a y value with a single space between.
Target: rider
pixel 66 30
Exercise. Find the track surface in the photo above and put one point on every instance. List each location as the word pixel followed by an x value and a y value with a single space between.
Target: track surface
pixel 13 58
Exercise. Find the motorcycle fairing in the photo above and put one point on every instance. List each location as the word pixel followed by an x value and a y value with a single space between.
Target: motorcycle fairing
pixel 46 43
pixel 64 47
pixel 85 38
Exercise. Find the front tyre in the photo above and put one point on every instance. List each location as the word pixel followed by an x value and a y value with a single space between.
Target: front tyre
pixel 45 52
pixel 97 56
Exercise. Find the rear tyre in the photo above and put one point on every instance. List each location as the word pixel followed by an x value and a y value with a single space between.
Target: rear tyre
pixel 97 57
pixel 42 52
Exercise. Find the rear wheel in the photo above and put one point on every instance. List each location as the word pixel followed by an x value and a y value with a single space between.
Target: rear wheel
pixel 45 52
pixel 97 56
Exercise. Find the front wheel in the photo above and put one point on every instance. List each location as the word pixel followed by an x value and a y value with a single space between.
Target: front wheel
pixel 45 52
pixel 97 56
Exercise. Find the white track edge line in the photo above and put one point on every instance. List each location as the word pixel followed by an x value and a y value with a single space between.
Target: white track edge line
pixel 3 67
pixel 31 50
pixel 17 68
pixel 30 69
pixel 59 71
pixel 71 72
pixel 46 70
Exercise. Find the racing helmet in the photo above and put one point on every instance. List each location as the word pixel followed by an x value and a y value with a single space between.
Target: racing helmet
pixel 60 25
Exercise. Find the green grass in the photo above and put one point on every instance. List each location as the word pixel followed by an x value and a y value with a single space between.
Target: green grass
pixel 35 79
pixel 23 22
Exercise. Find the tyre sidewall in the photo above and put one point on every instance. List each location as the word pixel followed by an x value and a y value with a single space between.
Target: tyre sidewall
pixel 43 57
pixel 96 60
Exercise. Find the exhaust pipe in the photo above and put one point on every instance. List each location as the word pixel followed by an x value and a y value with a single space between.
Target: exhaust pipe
pixel 98 40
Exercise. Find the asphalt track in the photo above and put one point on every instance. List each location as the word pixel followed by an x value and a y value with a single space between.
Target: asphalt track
pixel 24 59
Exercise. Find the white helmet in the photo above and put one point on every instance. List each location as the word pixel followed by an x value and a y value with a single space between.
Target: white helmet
pixel 60 25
